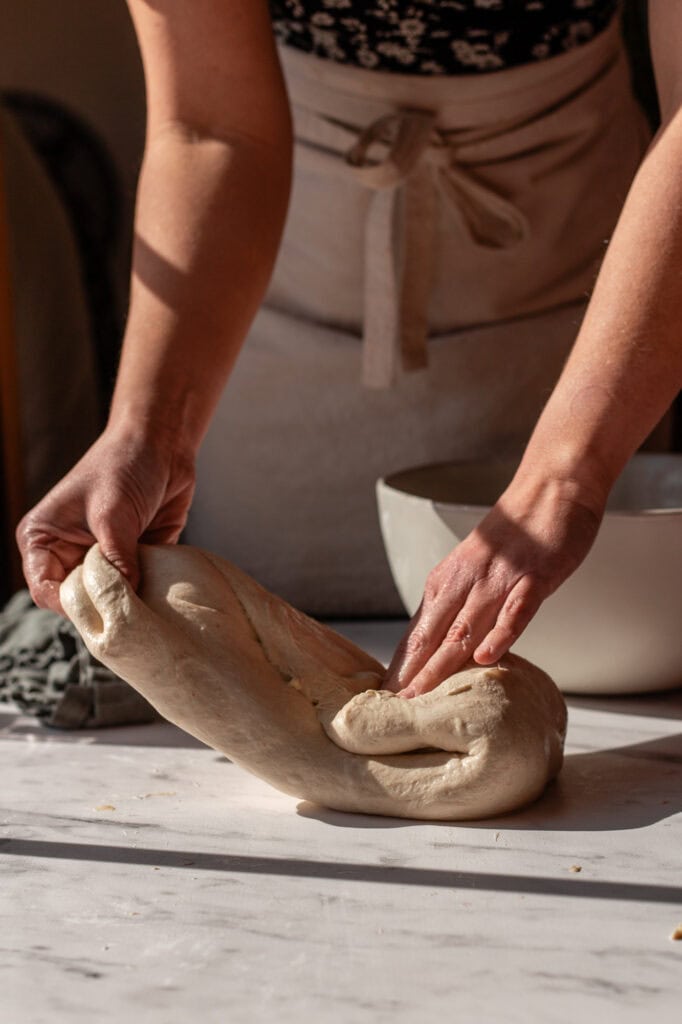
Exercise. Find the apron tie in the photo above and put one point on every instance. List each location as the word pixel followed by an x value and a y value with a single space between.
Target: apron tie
pixel 400 230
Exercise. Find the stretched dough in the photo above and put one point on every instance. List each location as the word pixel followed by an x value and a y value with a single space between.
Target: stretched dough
pixel 298 705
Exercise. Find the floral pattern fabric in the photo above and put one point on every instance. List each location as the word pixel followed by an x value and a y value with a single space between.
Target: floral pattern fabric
pixel 434 37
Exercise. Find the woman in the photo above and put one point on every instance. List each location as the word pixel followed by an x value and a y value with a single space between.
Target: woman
pixel 464 172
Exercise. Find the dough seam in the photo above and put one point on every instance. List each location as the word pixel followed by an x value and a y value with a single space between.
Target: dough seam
pixel 286 678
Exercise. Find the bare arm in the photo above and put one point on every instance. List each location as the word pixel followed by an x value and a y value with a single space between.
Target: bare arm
pixel 623 373
pixel 211 204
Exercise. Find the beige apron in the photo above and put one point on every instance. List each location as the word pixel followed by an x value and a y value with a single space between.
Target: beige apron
pixel 472 210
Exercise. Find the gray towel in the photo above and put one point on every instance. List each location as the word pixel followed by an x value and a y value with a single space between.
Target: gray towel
pixel 47 671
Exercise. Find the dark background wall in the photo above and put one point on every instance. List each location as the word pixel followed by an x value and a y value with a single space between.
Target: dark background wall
pixel 84 55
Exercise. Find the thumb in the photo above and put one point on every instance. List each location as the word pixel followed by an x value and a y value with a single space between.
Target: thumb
pixel 119 547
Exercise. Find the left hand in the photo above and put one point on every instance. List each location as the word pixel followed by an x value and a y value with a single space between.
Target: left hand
pixel 482 596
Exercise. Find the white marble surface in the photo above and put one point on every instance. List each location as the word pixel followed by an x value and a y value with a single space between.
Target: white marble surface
pixel 145 879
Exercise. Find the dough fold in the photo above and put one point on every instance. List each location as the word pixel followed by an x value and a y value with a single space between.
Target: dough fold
pixel 298 705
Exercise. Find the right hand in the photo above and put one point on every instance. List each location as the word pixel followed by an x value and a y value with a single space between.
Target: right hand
pixel 481 597
pixel 126 488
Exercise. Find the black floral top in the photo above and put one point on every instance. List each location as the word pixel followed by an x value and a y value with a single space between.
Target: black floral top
pixel 434 37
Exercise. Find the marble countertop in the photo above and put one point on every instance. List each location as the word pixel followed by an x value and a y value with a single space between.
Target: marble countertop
pixel 147 879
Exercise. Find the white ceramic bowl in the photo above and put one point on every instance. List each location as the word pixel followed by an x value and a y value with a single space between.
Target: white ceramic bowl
pixel 615 626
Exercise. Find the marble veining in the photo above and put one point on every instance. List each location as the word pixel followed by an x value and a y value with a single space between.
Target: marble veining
pixel 146 878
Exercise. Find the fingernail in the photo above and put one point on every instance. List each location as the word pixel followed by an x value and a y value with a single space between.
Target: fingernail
pixel 485 655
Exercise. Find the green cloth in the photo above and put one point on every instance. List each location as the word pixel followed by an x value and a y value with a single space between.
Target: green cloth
pixel 47 671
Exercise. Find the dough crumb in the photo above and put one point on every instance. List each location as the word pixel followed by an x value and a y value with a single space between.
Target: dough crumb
pixel 575 868
pixel 105 807
pixel 677 934
pixel 460 689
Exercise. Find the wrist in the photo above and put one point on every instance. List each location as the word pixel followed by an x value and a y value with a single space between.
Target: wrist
pixel 160 402
pixel 581 441
pixel 153 428
pixel 563 477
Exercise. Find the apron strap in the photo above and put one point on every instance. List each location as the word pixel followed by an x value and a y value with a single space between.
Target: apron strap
pixel 398 244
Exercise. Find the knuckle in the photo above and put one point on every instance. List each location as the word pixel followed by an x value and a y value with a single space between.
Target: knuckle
pixel 26 525
pixel 459 633
pixel 519 609
pixel 32 534
pixel 516 607
pixel 417 642
pixel 450 585
pixel 432 586
pixel 23 533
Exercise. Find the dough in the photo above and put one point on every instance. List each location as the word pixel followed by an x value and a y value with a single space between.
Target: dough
pixel 296 704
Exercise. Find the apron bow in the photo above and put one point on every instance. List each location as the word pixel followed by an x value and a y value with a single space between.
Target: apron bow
pixel 418 162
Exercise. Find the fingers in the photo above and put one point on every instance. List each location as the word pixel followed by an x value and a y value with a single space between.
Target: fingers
pixel 45 565
pixel 425 632
pixel 474 607
pixel 485 629
pixel 454 649
pixel 44 576
pixel 48 559
pixel 121 488
pixel 480 598
pixel 519 608
pixel 458 609
pixel 50 552
pixel 452 641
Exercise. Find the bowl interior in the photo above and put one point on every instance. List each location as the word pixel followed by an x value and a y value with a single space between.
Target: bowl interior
pixel 649 483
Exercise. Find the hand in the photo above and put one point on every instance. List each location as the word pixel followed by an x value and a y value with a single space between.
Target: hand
pixel 126 488
pixel 480 598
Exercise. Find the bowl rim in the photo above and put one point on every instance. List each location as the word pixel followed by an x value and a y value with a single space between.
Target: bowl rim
pixel 388 482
